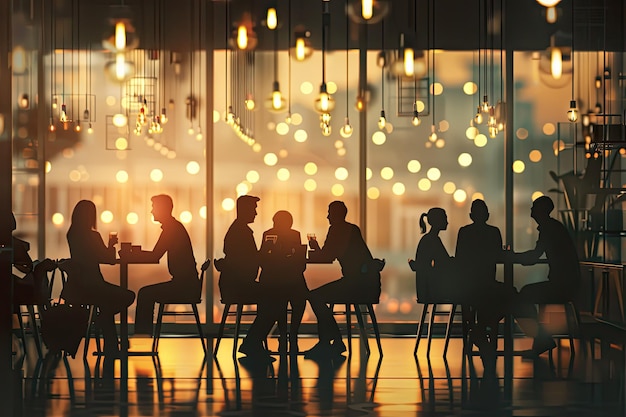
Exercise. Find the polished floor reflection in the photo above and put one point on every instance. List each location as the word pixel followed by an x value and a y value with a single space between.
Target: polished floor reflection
pixel 394 385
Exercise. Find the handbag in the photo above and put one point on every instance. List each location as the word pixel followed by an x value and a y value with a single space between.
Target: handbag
pixel 63 326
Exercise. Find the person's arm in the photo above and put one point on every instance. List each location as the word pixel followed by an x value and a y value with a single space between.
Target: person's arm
pixel 530 257
pixel 104 254
pixel 159 249
pixel 333 246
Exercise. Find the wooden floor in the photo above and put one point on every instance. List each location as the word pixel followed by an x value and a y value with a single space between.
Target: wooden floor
pixel 397 384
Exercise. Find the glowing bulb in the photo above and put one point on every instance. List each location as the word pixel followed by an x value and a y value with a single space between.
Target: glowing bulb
pixel 90 129
pixel 242 37
pixel 572 113
pixel 249 102
pixel 433 134
pixel 326 129
pixel 324 99
pixel 478 119
pixel 63 117
pixel 277 97
pixel 556 63
pixel 77 128
pixel 164 118
pixel 120 36
pixel 346 130
pixel 300 49
pixel 24 101
pixel 382 121
pixel 272 19
pixel 598 82
pixel 409 63
pixel 416 121
pixel 120 66
pixel 551 14
pixel 367 9
pixel 485 106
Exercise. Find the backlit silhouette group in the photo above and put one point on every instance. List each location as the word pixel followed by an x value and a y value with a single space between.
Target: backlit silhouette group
pixel 272 275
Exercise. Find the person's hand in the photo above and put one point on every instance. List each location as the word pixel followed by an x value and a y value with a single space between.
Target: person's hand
pixel 313 244
pixel 113 240
pixel 412 265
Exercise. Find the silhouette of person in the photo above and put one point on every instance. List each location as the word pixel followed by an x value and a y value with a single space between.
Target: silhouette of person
pixel 563 274
pixel 282 281
pixel 478 249
pixel 88 286
pixel 360 280
pixel 240 266
pixel 433 265
pixel 181 264
pixel 32 286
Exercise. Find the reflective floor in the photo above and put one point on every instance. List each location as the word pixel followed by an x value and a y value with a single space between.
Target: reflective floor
pixel 395 385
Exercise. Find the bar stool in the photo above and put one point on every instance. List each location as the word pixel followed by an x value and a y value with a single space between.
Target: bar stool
pixel 193 303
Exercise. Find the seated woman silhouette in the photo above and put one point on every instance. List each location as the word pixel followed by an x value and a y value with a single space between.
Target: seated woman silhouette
pixel 87 286
pixel 433 264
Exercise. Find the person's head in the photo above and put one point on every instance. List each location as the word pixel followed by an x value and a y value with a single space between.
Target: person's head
pixel 541 208
pixel 246 208
pixel 337 212
pixel 84 215
pixel 162 206
pixel 479 212
pixel 282 220
pixel 437 219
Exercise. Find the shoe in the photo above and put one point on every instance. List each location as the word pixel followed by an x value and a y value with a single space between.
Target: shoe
pixel 338 347
pixel 252 349
pixel 542 344
pixel 320 350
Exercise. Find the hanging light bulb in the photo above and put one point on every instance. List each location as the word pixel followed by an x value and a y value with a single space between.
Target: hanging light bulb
pixel 551 14
pixel 242 37
pixel 360 103
pixel 230 116
pixel 302 48
pixel 142 117
pixel 572 113
pixel 346 129
pixel 86 114
pixel 367 9
pixel 556 63
pixel 249 102
pixel 24 101
pixel 90 129
pixel 409 62
pixel 382 120
pixel 598 82
pixel 277 98
pixel 163 117
pixel 416 121
pixel 324 102
pixel 120 36
pixel 485 105
pixel 493 132
pixel 119 120
pixel 272 18
pixel 492 117
pixel 478 118
pixel 433 134
pixel 77 127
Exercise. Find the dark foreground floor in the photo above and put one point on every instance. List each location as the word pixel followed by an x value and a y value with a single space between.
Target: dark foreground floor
pixel 395 385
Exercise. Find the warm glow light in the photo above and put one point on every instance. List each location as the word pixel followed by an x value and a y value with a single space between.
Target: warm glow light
pixel 549 129
pixel 341 173
pixel 459 196
pixel 132 218
pixel 480 140
pixel 228 204
pixel 253 176
pixel 272 18
pixel 283 174
pixel 300 49
pixel 465 159
pixel 449 187
pixel 414 166
pixel 368 173
pixel 310 184
pixel 337 190
pixel 386 173
pixel 536 195
pixel 470 88
pixel 535 155
pixel 282 128
pixel 186 216
pixel 202 212
pixel 398 188
pixel 424 184
pixel 310 168
pixel 519 166
pixel 106 216
pixel 243 188
pixel 193 167
pixel 379 138
pixel 120 36
pixel 548 3
pixel 409 63
pixel 121 176
pixel 433 174
pixel 270 159
pixel 522 133
pixel 156 175
pixel 367 9
pixel 121 144
pixel 242 37
pixel 556 63
pixel 572 113
pixel 57 219
pixel 373 193
pixel 471 132
pixel 551 14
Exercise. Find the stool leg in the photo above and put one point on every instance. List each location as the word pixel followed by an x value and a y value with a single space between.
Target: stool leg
pixel 418 335
pixel 157 330
pixel 362 328
pixel 35 330
pixel 220 331
pixel 237 325
pixel 370 309
pixel 450 319
pixel 22 330
pixel 431 321
pixel 88 333
pixel 200 331
pixel 349 326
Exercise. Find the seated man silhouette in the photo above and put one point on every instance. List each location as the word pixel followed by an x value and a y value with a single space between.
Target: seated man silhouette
pixel 361 278
pixel 478 249
pixel 240 266
pixel 32 286
pixel 184 284
pixel 563 274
